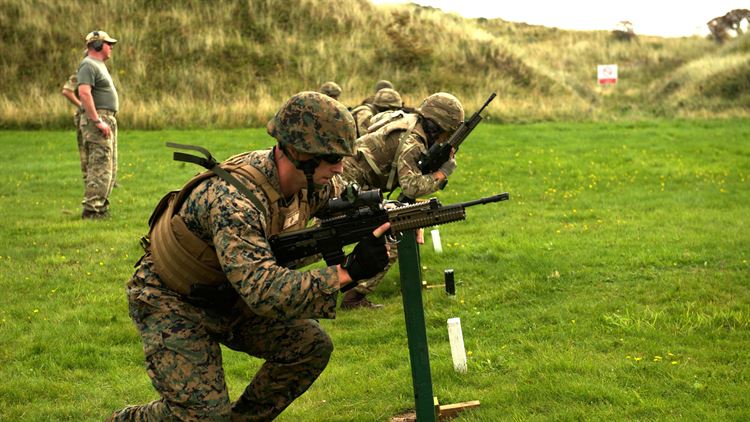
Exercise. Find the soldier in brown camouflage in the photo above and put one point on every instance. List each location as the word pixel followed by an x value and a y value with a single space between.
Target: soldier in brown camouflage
pixel 220 283
pixel 386 158
pixel 387 99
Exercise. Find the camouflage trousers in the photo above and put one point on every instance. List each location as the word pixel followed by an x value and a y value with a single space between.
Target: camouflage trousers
pixel 184 362
pixel 99 157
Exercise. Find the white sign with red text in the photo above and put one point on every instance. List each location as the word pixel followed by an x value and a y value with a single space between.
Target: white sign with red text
pixel 607 74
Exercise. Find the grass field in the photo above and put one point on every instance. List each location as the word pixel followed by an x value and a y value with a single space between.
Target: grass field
pixel 614 285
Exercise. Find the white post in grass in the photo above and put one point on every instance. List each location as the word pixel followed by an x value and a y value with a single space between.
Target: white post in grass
pixel 436 241
pixel 456 339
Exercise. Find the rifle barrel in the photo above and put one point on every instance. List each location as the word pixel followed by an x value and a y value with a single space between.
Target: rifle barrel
pixel 492 97
pixel 494 198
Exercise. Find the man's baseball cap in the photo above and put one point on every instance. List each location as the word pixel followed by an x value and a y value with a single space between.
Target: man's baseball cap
pixel 99 36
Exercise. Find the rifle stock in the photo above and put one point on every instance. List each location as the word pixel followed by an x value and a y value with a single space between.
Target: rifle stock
pixel 352 226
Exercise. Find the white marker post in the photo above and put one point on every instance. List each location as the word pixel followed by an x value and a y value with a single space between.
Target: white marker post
pixel 456 339
pixel 436 241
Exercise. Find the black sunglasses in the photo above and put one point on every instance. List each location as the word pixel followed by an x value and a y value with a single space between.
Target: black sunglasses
pixel 331 158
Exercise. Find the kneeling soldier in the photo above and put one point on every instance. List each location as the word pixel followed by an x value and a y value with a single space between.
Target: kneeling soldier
pixel 209 277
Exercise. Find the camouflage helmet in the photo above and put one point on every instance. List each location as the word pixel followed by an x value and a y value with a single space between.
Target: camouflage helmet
pixel 387 98
pixel 314 123
pixel 444 109
pixel 332 89
pixel 383 84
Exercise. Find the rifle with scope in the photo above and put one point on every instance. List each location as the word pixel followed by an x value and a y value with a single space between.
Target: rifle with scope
pixel 352 219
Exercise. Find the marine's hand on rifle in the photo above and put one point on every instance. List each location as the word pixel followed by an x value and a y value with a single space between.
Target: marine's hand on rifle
pixel 420 236
pixel 368 258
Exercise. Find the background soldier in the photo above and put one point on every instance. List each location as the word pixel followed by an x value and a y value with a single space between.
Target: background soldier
pixel 98 124
pixel 70 92
pixel 386 99
pixel 185 302
pixel 378 86
pixel 331 89
pixel 387 158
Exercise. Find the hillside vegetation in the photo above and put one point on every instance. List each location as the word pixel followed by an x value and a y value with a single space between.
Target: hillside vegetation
pixel 191 63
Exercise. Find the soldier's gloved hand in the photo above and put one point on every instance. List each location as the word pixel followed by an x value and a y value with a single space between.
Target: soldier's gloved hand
pixel 448 167
pixel 368 258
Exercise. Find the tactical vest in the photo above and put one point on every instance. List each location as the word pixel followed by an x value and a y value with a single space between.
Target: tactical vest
pixel 383 118
pixel 184 260
pixel 399 122
pixel 362 115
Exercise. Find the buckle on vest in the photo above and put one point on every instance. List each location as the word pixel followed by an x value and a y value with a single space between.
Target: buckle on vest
pixel 145 243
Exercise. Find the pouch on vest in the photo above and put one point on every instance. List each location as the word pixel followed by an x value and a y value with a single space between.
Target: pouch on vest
pixel 187 264
pixel 180 258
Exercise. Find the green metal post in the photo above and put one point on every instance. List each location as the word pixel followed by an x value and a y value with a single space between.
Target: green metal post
pixel 416 333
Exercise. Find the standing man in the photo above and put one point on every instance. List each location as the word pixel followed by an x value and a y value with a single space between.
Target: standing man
pixel 387 158
pixel 98 124
pixel 70 92
pixel 220 283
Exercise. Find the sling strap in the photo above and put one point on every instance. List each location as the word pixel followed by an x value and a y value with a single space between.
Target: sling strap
pixel 210 163
pixel 184 261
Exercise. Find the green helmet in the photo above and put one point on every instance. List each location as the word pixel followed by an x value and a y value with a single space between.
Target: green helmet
pixel 387 98
pixel 383 84
pixel 444 109
pixel 314 123
pixel 332 89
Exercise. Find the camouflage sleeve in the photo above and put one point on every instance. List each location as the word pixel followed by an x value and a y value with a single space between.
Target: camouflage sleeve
pixel 413 183
pixel 245 254
pixel 319 203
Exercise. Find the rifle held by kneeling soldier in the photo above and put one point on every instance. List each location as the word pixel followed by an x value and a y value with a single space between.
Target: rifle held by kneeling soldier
pixel 352 219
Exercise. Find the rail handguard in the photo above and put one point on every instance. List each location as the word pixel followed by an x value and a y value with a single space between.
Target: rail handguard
pixel 360 219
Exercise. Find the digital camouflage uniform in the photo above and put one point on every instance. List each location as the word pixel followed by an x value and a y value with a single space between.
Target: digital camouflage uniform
pixel 269 313
pixel 72 85
pixel 273 322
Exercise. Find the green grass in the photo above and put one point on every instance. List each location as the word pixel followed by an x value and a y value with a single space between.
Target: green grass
pixel 614 285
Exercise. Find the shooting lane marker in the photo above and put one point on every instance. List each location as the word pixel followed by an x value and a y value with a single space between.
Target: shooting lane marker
pixel 436 241
pixel 450 283
pixel 456 339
